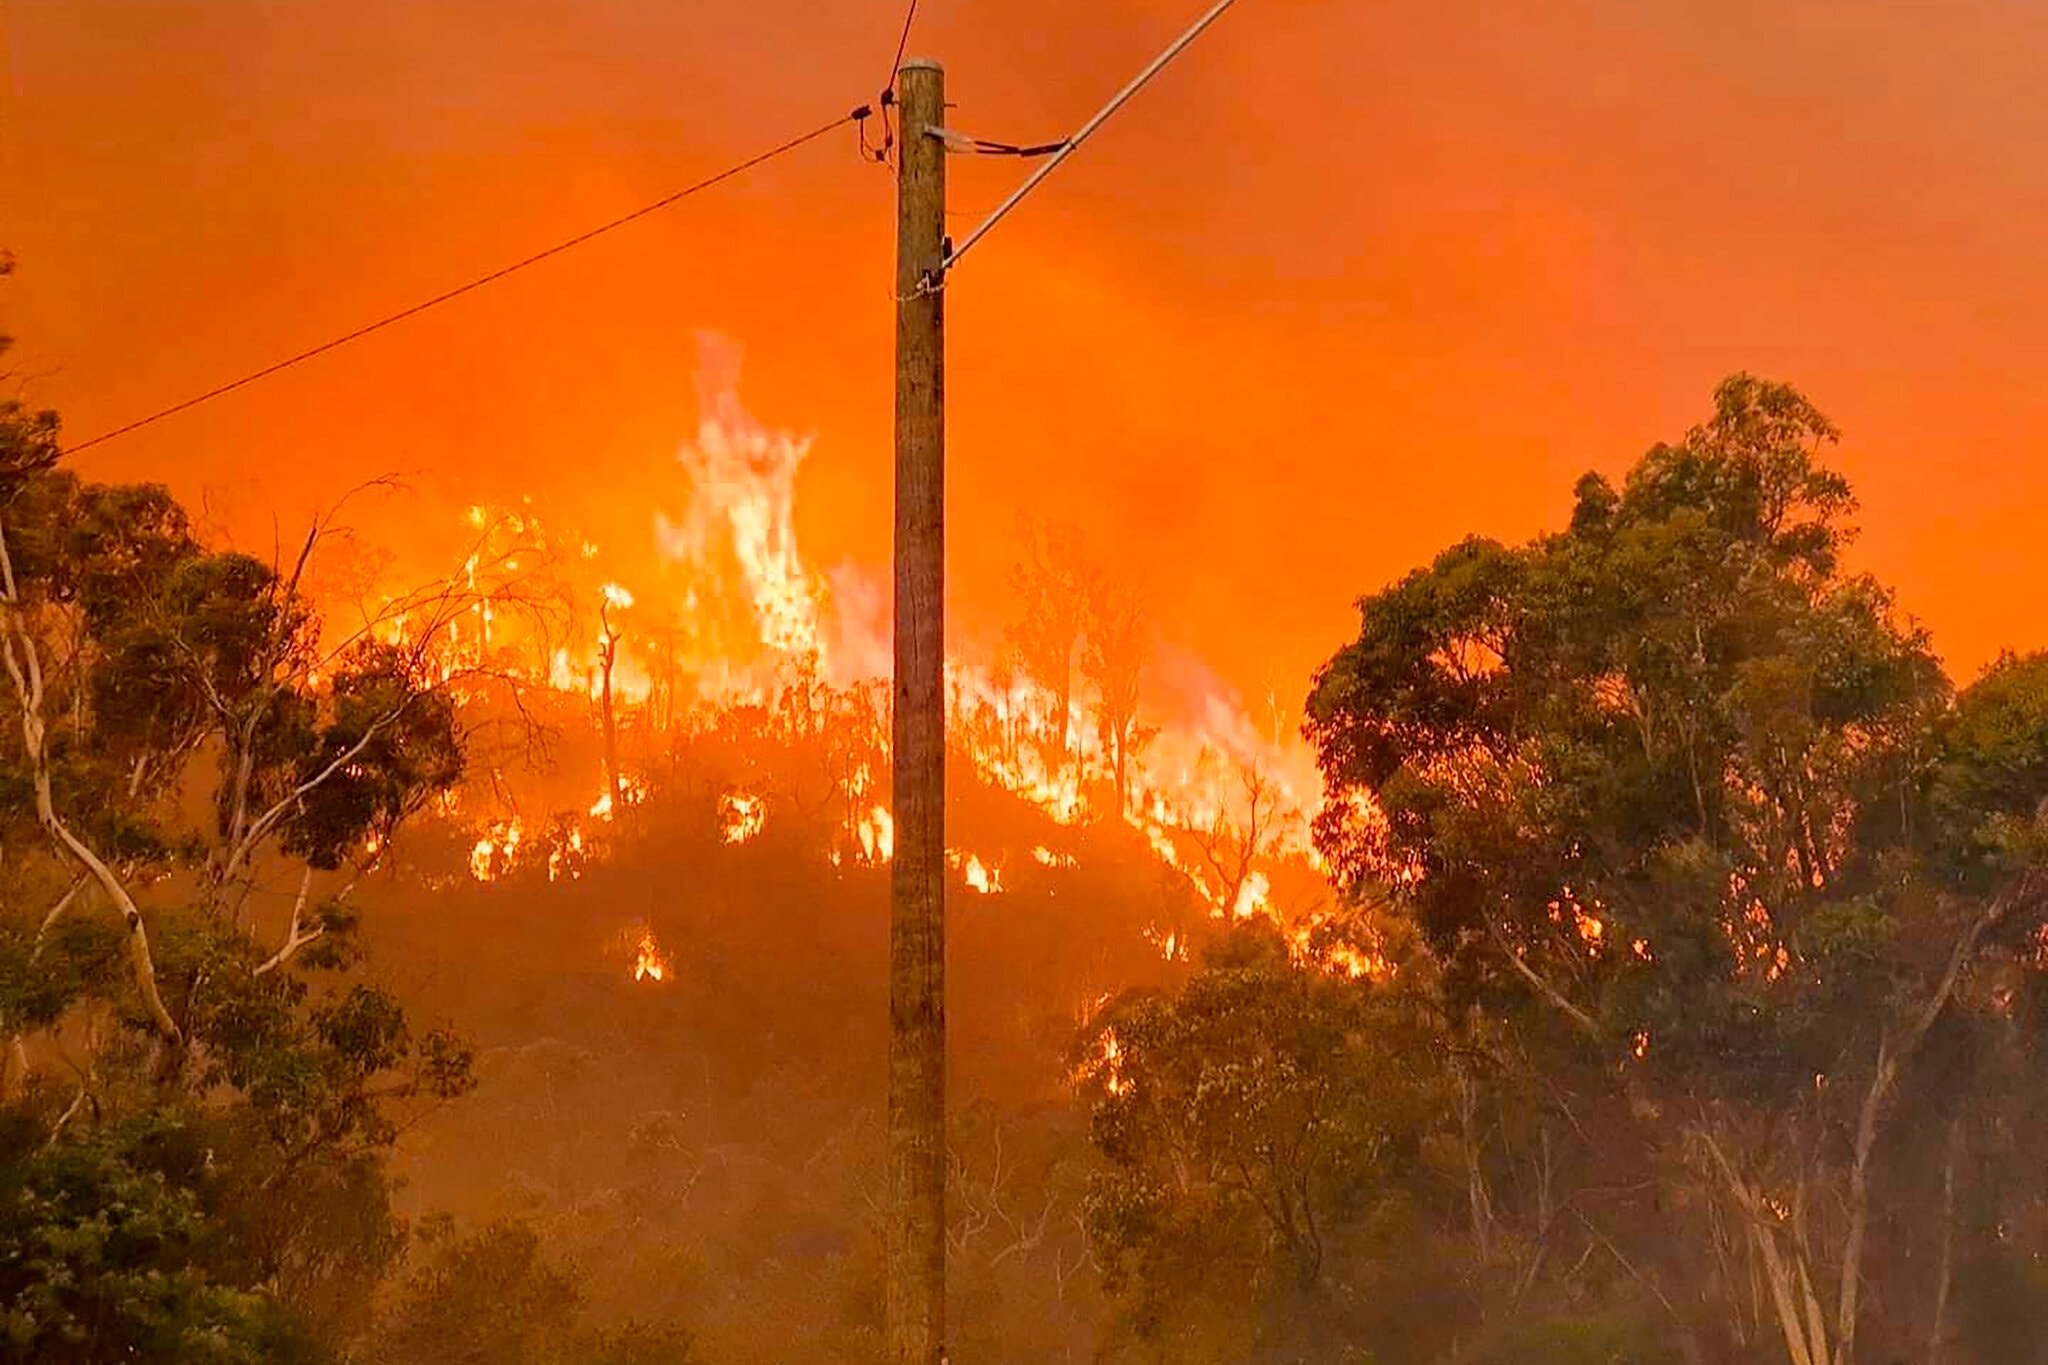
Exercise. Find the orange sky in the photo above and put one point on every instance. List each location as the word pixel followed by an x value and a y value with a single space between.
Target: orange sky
pixel 1352 280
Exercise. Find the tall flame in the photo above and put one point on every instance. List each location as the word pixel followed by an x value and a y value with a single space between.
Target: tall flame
pixel 739 618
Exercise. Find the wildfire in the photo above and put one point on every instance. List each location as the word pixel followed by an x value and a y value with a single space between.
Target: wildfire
pixel 630 792
pixel 648 963
pixel 1106 1064
pixel 877 834
pixel 740 619
pixel 986 878
pixel 493 854
pixel 1340 947
pixel 1254 897
pixel 1171 943
pixel 741 817
pixel 566 858
pixel 1350 961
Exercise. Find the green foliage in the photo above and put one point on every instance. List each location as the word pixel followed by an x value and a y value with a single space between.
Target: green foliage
pixel 28 439
pixel 225 1198
pixel 107 1253
pixel 1990 793
pixel 491 1297
pixel 158 649
pixel 400 741
pixel 1257 1126
pixel 1668 717
pixel 1702 828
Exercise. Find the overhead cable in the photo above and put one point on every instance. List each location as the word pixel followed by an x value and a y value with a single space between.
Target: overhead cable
pixel 1073 144
pixel 458 291
pixel 887 100
pixel 981 146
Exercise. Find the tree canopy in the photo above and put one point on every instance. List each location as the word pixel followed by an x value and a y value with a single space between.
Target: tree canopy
pixel 1688 806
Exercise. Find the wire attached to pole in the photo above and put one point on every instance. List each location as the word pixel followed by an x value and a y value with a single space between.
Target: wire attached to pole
pixel 493 277
pixel 981 146
pixel 1073 144
pixel 887 100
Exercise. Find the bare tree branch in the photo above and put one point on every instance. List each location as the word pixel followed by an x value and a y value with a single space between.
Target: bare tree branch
pixel 1551 993
pixel 293 939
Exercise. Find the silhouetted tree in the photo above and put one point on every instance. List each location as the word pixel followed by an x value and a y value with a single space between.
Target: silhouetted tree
pixel 1113 660
pixel 1053 582
pixel 1669 776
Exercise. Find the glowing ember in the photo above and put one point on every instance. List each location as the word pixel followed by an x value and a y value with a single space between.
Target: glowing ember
pixel 741 817
pixel 617 596
pixel 1591 930
pixel 1047 858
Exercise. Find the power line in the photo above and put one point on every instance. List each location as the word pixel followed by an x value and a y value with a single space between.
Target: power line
pixel 1073 143
pixel 887 99
pixel 981 146
pixel 902 46
pixel 578 240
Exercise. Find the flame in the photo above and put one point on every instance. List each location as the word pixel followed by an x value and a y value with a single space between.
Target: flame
pixel 1171 943
pixel 630 791
pixel 1339 947
pixel 986 878
pixel 648 963
pixel 738 617
pixel 1254 897
pixel 1350 961
pixel 494 853
pixel 743 483
pixel 877 833
pixel 1106 1064
pixel 740 817
pixel 566 858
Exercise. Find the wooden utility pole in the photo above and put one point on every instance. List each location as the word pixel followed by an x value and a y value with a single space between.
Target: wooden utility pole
pixel 914 1308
